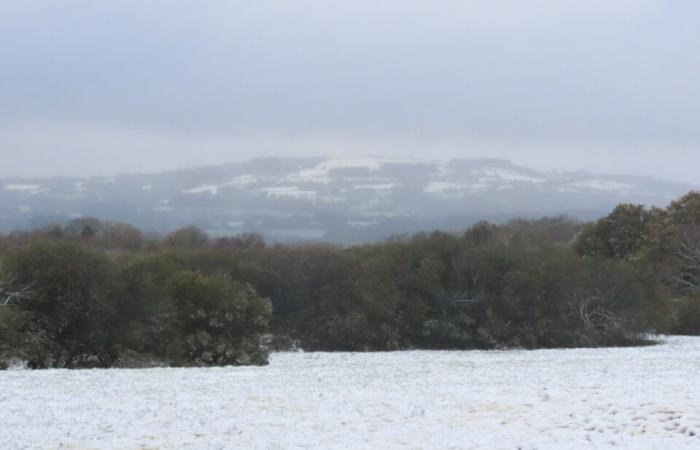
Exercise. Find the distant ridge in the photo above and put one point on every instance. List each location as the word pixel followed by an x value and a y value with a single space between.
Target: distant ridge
pixel 341 200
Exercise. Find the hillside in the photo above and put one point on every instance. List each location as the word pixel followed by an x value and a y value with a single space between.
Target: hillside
pixel 339 200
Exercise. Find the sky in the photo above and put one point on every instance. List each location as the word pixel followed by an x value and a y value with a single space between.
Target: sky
pixel 102 87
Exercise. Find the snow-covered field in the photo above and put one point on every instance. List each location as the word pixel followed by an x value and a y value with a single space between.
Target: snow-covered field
pixel 637 398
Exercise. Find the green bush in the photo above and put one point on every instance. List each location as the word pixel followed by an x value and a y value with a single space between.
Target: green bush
pixel 218 321
pixel 85 309
pixel 69 315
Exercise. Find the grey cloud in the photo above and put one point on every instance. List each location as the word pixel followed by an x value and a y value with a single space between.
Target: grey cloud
pixel 549 83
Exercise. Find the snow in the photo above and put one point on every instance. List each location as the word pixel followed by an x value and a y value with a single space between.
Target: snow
pixel 289 191
pixel 24 188
pixel 510 175
pixel 362 223
pixel 213 189
pixel 604 185
pixel 497 179
pixel 243 180
pixel 375 187
pixel 480 180
pixel 452 190
pixel 203 189
pixel 441 187
pixel 321 172
pixel 641 398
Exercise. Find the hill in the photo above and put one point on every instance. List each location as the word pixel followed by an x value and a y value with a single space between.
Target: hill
pixel 340 200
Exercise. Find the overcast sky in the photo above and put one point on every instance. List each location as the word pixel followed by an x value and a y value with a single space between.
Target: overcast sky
pixel 98 87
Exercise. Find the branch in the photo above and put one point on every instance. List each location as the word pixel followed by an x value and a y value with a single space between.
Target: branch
pixel 10 294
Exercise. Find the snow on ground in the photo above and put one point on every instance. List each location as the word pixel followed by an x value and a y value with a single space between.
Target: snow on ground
pixel 448 189
pixel 25 188
pixel 375 186
pixel 641 398
pixel 499 174
pixel 604 185
pixel 203 189
pixel 213 189
pixel 289 191
pixel 321 173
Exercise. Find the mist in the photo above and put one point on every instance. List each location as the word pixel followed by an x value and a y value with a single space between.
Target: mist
pixel 94 88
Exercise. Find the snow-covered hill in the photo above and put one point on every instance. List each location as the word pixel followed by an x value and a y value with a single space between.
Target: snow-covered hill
pixel 337 199
pixel 633 398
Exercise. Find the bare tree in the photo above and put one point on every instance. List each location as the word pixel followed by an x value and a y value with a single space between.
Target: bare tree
pixel 684 275
pixel 591 314
pixel 11 293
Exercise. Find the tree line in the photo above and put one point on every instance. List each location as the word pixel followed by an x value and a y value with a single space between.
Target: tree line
pixel 101 294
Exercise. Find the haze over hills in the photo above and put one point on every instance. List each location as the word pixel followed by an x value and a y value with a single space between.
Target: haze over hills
pixel 340 200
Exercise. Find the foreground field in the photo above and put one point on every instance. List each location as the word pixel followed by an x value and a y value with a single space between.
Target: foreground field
pixel 631 398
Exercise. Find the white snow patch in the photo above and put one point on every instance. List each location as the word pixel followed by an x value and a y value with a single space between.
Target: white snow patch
pixel 641 398
pixel 25 188
pixel 511 175
pixel 603 185
pixel 375 187
pixel 213 189
pixel 362 223
pixel 243 180
pixel 441 187
pixel 321 173
pixel 453 190
pixel 17 364
pixel 289 191
pixel 203 189
pixel 147 187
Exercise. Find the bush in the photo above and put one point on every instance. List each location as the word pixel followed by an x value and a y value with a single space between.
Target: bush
pixel 687 316
pixel 560 300
pixel 66 321
pixel 219 322
pixel 86 310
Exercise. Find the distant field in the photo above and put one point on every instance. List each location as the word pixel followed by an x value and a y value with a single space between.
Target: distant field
pixel 639 398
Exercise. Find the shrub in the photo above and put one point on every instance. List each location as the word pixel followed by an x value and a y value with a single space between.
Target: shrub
pixel 218 321
pixel 67 318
